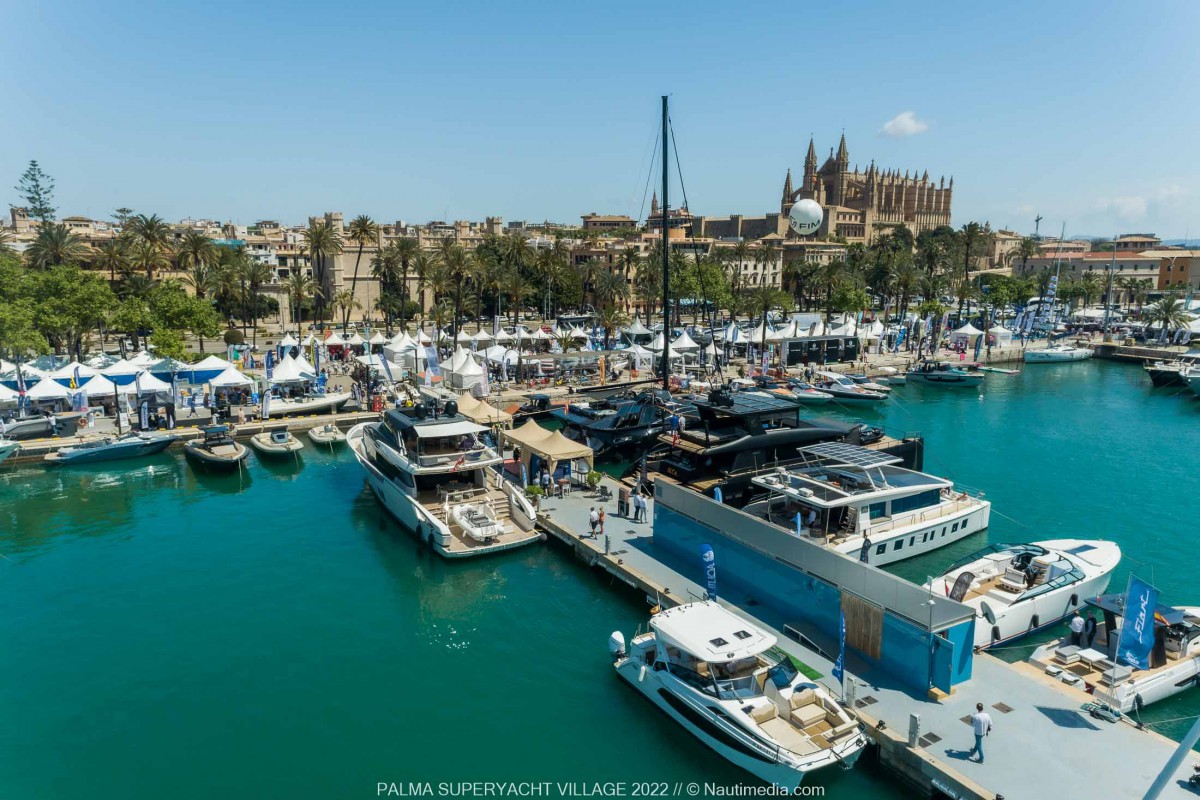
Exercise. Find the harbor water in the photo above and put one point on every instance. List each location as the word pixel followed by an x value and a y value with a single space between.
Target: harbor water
pixel 275 634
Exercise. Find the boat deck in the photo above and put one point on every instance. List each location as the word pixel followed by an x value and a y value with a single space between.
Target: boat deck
pixel 461 543
pixel 1090 757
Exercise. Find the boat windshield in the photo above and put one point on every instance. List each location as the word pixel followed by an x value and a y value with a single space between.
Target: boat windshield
pixel 1071 576
pixel 741 679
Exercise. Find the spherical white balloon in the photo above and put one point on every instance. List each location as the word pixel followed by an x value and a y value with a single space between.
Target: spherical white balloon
pixel 805 217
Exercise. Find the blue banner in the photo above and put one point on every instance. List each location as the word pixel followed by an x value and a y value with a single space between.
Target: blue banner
pixel 709 558
pixel 1137 629
pixel 432 367
pixel 839 666
pixel 270 362
pixel 717 494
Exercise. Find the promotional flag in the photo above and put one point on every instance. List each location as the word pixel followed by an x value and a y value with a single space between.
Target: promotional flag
pixel 266 404
pixel 718 495
pixel 1137 629
pixel 387 368
pixel 524 476
pixel 431 361
pixel 864 554
pixel 799 524
pixel 76 380
pixel 839 666
pixel 270 364
pixel 709 559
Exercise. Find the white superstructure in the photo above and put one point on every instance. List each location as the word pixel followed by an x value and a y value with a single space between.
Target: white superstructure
pixel 1057 353
pixel 725 682
pixel 433 472
pixel 1017 589
pixel 859 502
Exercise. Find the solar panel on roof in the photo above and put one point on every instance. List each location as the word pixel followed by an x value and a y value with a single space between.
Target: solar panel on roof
pixel 850 454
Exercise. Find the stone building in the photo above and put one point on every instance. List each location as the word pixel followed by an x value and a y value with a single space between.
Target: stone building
pixel 859 204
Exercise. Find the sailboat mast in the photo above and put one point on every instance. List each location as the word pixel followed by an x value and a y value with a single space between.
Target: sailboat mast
pixel 666 276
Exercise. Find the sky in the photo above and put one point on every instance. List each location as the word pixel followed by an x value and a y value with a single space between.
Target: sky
pixel 1078 112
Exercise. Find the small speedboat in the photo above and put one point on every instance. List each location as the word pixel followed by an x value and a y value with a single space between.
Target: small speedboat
pixel 1166 373
pixel 328 434
pixel 1057 353
pixel 8 448
pixel 944 373
pixel 845 390
pixel 478 522
pixel 276 443
pixel 1017 589
pixel 112 448
pixel 217 450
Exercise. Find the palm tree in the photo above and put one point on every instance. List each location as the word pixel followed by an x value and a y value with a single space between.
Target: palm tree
pixel 110 257
pixel 6 248
pixel 149 229
pixel 832 274
pixel 612 319
pixel 253 275
pixel 407 251
pixel 611 289
pixel 135 285
pixel 588 272
pixel 460 269
pixel 148 257
pixel 906 279
pixel 972 235
pixel 344 300
pixel 195 252
pixel 424 263
pixel 299 287
pixel 321 240
pixel 385 267
pixel 1170 311
pixel 1090 285
pixel 362 229
pixel 1025 250
pixel 515 286
pixel 739 255
pixel 55 245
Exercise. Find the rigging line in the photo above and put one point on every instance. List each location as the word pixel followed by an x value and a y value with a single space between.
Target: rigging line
pixel 692 236
pixel 649 174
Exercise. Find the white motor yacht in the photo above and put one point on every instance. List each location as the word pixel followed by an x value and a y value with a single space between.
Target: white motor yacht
pixel 859 502
pixel 1017 589
pixel 327 403
pixel 1057 353
pixel 1174 660
pixel 428 467
pixel 725 682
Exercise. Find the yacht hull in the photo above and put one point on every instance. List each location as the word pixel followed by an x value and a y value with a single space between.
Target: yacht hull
pixel 329 403
pixel 115 452
pixel 917 540
pixel 1037 613
pixel 693 718
pixel 1051 356
pixel 953 381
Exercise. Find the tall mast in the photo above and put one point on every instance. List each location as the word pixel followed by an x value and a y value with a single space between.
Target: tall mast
pixel 666 356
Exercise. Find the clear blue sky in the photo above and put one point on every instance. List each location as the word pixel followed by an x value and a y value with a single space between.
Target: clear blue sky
pixel 1081 112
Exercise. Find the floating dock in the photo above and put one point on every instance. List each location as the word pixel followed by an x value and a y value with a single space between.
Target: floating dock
pixel 1043 743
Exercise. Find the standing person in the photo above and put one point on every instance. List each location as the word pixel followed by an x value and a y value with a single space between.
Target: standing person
pixel 53 423
pixel 192 404
pixel 593 520
pixel 1076 628
pixel 981 721
pixel 1089 630
pixel 602 522
pixel 637 506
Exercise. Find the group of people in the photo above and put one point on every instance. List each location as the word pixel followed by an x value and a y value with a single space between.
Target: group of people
pixel 1083 632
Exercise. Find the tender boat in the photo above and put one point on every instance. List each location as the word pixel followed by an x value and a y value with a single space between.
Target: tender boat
pixel 619 422
pixel 328 434
pixel 845 390
pixel 430 470
pixel 327 403
pixel 537 407
pixel 276 443
pixel 944 373
pixel 1172 372
pixel 36 427
pixel 217 450
pixel 1174 660
pixel 1057 353
pixel 725 681
pixel 860 503
pixel 112 448
pixel 8 448
pixel 1017 589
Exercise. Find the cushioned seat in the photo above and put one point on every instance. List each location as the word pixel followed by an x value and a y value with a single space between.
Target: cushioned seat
pixel 806 708
pixel 764 713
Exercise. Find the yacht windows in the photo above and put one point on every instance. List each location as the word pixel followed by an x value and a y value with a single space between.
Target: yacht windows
pixel 718 642
pixel 742 634
pixel 952 530
pixel 878 510
pixel 925 499
pixel 899 544
pixel 881 549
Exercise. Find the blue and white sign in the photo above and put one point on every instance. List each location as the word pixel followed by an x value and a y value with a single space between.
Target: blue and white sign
pixel 839 666
pixel 1137 629
pixel 709 559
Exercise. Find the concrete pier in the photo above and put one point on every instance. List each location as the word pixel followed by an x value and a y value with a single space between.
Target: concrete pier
pixel 1043 744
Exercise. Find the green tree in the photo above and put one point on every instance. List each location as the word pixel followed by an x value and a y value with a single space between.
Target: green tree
pixel 974 237
pixel 1169 312
pixel 761 300
pixel 299 289
pixel 612 319
pixel 407 251
pixel 36 190
pixel 195 253
pixel 461 270
pixel 344 301
pixel 68 303
pixel 150 229
pixel 110 257
pixel 321 240
pixel 146 256
pixel 362 229
pixel 54 246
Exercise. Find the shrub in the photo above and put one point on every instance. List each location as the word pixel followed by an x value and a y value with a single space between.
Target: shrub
pixel 234 337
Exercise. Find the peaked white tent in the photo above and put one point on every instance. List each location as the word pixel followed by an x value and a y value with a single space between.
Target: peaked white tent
pixel 143 359
pixel 7 395
pixel 49 389
pixel 482 336
pixel 468 375
pixel 685 343
pixel 209 368
pixel 578 334
pixel 733 334
pixel 1002 335
pixel 503 336
pixel 308 340
pixel 658 343
pixel 101 386
pixel 122 372
pixel 423 338
pixel 304 366
pixel 101 360
pixel 230 378
pixel 333 340
pixel 354 341
pixel 148 383
pixel 638 333
pixel 288 341
pixel 377 338
pixel 66 374
pixel 967 334
pixel 639 356
pixel 288 371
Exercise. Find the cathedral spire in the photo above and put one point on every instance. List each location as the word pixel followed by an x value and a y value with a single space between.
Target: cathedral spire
pixel 653 203
pixel 810 160
pixel 787 187
pixel 843 156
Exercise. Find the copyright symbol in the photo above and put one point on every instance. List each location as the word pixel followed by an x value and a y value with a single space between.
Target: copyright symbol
pixel 693 789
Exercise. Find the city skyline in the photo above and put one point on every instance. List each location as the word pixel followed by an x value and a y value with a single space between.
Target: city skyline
pixel 279 112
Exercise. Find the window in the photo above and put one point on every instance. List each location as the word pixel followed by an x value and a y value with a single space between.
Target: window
pixel 964 523
pixel 952 530
pixel 912 540
pixel 943 530
pixel 898 545
pixel 718 642
pixel 881 549
pixel 878 510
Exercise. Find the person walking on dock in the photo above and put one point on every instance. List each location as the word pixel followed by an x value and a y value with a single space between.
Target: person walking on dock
pixel 1076 628
pixel 593 520
pixel 981 721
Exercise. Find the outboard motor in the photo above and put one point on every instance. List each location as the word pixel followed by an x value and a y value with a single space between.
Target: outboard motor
pixel 616 646
pixel 450 408
pixel 420 411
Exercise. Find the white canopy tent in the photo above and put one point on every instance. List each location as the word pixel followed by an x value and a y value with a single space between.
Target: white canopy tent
pixel 230 378
pixel 685 344
pixel 354 341
pixel 49 389
pixel 148 383
pixel 502 336
pixel 101 386
pixel 288 371
pixel 333 340
pixel 67 373
pixel 288 341
pixel 143 359
pixel 967 334
pixel 481 337
pixel 304 366
pixel 377 338
pixel 122 372
pixel 7 395
pixel 308 340
pixel 468 375
pixel 1002 335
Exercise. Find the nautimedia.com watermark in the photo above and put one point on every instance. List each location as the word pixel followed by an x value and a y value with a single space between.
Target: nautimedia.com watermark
pixel 589 789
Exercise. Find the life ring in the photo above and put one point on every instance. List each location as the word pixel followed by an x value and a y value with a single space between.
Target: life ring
pixel 82 424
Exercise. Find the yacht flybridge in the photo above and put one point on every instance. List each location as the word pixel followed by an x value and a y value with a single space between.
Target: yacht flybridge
pixel 862 504
pixel 1017 589
pixel 1174 659
pixel 428 467
pixel 724 680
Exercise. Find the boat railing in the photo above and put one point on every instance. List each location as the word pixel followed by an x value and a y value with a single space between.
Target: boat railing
pixel 443 459
pixel 934 512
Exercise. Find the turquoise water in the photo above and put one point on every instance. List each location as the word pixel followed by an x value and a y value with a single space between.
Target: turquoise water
pixel 278 636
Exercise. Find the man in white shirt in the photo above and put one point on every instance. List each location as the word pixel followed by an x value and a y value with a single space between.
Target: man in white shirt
pixel 981 721
pixel 1076 628
pixel 594 520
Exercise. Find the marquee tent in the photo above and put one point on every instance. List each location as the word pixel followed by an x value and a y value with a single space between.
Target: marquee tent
pixel 230 378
